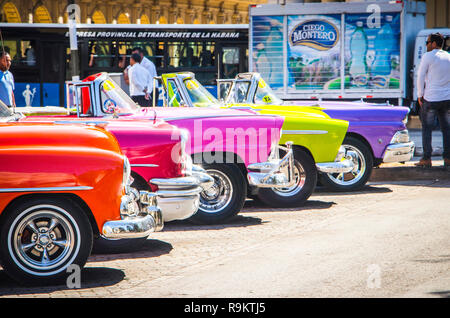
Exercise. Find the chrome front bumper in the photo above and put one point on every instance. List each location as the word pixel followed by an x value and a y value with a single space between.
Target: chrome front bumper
pixel 275 172
pixel 179 198
pixel 138 218
pixel 344 163
pixel 400 152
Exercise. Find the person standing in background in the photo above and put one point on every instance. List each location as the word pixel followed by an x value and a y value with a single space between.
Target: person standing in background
pixel 150 67
pixel 139 79
pixel 6 80
pixel 433 91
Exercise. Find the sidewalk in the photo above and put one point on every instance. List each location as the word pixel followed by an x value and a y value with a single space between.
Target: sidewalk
pixel 407 171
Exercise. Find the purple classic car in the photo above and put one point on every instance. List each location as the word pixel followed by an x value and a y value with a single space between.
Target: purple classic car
pixel 376 134
pixel 236 148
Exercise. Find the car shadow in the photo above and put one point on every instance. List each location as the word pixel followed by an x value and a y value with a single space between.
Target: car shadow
pixel 91 277
pixel 442 294
pixel 236 221
pixel 365 190
pixel 150 248
pixel 258 206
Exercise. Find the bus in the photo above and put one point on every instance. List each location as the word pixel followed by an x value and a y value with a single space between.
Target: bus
pixel 41 65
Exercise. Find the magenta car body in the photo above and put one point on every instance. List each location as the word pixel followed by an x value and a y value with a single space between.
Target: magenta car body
pixel 238 149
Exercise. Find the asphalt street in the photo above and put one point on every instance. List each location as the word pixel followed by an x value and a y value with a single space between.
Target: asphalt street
pixel 389 240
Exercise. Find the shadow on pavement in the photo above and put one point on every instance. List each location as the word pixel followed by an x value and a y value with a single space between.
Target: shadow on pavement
pixel 441 259
pixel 365 190
pixel 147 249
pixel 90 277
pixel 443 294
pixel 256 205
pixel 237 221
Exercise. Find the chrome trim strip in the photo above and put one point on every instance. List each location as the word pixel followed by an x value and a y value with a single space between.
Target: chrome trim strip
pixel 149 165
pixel 343 166
pixel 79 188
pixel 276 173
pixel 399 152
pixel 211 116
pixel 246 108
pixel 178 193
pixel 129 228
pixel 304 132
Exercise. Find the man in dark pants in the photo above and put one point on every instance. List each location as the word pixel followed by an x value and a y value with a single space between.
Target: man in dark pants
pixel 433 91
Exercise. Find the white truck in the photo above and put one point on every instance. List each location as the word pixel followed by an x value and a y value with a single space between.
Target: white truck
pixel 352 50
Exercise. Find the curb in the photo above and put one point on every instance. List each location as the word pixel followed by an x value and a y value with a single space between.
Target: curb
pixel 407 171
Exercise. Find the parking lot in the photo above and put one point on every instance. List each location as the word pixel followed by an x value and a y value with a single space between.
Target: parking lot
pixel 389 240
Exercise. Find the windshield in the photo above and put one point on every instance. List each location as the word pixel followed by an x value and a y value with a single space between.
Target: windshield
pixel 114 99
pixel 264 95
pixel 199 95
pixel 238 93
pixel 7 115
pixel 5 111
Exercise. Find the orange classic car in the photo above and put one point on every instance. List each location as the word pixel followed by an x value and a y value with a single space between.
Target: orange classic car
pixel 60 187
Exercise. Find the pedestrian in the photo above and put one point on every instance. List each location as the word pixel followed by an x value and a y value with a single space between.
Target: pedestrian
pixel 433 91
pixel 6 80
pixel 150 67
pixel 139 79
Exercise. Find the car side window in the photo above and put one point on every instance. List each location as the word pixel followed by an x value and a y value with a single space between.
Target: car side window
pixel 241 92
pixel 85 100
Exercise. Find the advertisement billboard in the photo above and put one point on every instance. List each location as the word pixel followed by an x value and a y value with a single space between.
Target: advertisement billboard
pixel 372 51
pixel 268 41
pixel 314 51
pixel 336 53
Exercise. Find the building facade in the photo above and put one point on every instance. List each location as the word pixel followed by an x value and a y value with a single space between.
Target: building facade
pixel 166 11
pixel 129 11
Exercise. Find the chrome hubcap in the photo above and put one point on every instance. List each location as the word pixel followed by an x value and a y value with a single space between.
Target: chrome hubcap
pixel 219 195
pixel 42 240
pixel 357 172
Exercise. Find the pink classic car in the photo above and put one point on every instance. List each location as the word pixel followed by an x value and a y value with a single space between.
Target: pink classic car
pixel 237 149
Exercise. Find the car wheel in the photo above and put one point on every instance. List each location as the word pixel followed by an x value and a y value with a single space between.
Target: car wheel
pixel 41 238
pixel 305 173
pixel 225 198
pixel 358 177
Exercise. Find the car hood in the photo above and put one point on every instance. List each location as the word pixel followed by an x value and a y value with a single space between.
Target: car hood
pixel 168 113
pixel 357 111
pixel 41 134
pixel 282 110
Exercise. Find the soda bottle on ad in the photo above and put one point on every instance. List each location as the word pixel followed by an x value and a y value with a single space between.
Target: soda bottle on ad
pixel 358 50
pixel 381 67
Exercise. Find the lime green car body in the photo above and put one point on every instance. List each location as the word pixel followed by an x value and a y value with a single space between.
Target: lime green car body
pixel 307 127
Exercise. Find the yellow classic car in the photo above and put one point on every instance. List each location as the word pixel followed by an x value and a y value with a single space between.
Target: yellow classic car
pixel 316 137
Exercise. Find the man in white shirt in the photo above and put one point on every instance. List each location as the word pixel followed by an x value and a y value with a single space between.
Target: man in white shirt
pixel 433 91
pixel 139 79
pixel 150 67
